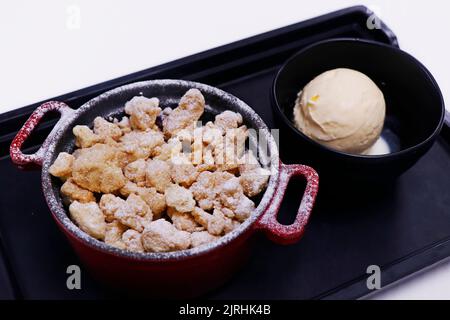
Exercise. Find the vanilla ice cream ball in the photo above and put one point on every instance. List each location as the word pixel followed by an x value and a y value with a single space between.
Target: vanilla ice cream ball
pixel 342 109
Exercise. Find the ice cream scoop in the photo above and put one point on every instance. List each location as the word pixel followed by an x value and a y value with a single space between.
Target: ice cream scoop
pixel 342 109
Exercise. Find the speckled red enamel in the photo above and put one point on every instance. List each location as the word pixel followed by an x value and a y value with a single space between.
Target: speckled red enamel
pixel 33 160
pixel 179 278
pixel 287 234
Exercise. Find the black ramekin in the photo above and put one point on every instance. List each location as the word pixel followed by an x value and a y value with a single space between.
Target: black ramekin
pixel 414 107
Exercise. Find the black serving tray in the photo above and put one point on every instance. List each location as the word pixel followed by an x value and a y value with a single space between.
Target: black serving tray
pixel 402 227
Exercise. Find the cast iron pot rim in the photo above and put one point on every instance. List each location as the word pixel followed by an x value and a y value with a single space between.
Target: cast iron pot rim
pixel 60 214
pixel 428 75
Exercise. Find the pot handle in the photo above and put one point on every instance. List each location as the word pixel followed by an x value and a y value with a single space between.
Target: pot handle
pixel 29 161
pixel 288 234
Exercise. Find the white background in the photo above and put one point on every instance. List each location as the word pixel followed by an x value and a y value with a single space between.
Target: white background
pixel 45 53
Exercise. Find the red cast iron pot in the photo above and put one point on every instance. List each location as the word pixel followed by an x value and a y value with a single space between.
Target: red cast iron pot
pixel 185 273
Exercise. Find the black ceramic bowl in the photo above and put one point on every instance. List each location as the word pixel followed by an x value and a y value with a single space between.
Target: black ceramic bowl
pixel 414 107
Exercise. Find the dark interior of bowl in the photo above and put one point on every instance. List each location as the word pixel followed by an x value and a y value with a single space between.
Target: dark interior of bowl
pixel 413 105
pixel 168 92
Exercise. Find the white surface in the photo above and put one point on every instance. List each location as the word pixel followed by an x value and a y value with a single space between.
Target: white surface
pixel 45 52
pixel 427 284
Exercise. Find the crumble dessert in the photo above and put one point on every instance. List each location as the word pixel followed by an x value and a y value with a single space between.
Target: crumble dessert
pixel 156 181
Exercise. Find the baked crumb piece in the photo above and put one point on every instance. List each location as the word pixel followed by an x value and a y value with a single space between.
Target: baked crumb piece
pixel 140 144
pixel 97 169
pixel 158 174
pixel 106 130
pixel 226 211
pixel 139 206
pixel 211 133
pixel 73 192
pixel 132 240
pixel 62 167
pixel 213 223
pixel 232 196
pixel 162 236
pixel 155 200
pixel 183 174
pixel 202 237
pixel 170 149
pixel 109 204
pixel 143 112
pixel 185 135
pixel 248 162
pixel 230 150
pixel 228 120
pixel 254 182
pixel 197 146
pixel 166 111
pixel 183 220
pixel 89 218
pixel 179 198
pixel 253 177
pixel 189 110
pixel 123 124
pixel 113 234
pixel 84 137
pixel 135 213
pixel 207 186
pixel 203 190
pixel 205 167
pixel 98 177
pixel 208 157
pixel 230 225
pixel 135 171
